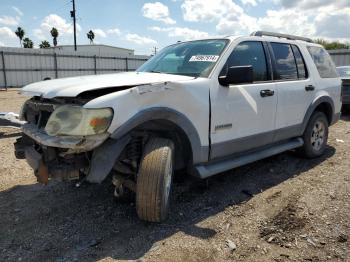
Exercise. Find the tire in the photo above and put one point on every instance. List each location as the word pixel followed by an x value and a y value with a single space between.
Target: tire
pixel 315 136
pixel 154 180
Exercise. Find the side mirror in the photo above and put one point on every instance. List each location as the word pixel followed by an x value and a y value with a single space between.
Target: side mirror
pixel 237 75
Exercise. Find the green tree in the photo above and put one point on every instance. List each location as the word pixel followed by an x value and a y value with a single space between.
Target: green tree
pixel 20 34
pixel 27 43
pixel 44 44
pixel 54 34
pixel 91 36
pixel 332 45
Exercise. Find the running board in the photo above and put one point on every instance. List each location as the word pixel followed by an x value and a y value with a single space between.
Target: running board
pixel 204 171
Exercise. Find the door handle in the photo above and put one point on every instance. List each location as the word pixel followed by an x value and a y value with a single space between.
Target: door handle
pixel 309 88
pixel 267 92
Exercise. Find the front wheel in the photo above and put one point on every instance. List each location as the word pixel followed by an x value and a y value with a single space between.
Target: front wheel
pixel 315 136
pixel 154 180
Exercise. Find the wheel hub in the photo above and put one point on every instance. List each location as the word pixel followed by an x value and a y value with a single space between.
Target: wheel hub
pixel 318 135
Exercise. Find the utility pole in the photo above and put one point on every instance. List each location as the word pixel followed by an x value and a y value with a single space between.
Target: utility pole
pixel 72 14
pixel 155 50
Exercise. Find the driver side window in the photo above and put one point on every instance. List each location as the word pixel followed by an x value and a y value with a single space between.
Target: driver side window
pixel 250 53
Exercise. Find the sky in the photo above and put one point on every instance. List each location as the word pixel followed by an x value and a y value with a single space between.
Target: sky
pixel 143 25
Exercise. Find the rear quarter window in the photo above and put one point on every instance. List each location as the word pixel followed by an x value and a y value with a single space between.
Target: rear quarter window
pixel 323 62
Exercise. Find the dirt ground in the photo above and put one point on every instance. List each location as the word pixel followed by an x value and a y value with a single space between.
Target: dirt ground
pixel 283 208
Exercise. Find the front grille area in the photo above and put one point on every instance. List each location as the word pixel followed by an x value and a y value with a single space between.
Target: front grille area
pixel 38 112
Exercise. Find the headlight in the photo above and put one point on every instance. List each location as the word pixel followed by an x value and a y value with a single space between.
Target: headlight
pixel 78 121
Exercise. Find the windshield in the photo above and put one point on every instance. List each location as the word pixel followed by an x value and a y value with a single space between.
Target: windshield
pixel 196 58
pixel 344 71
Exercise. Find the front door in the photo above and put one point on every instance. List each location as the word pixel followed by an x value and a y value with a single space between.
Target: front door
pixel 243 115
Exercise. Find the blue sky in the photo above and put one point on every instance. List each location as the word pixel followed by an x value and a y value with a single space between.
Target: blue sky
pixel 141 25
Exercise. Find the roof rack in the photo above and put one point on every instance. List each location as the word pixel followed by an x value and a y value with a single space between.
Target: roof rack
pixel 290 37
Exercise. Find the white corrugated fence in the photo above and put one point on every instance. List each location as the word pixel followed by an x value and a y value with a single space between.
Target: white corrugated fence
pixel 19 66
pixel 340 57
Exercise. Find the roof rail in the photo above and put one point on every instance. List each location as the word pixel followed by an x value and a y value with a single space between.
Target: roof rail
pixel 290 37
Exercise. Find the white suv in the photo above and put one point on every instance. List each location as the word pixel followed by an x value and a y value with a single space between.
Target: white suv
pixel 208 106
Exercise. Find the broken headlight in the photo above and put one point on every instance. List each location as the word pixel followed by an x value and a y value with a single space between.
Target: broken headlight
pixel 78 121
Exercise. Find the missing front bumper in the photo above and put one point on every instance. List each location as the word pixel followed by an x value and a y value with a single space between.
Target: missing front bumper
pixel 35 160
pixel 59 168
pixel 48 163
pixel 68 159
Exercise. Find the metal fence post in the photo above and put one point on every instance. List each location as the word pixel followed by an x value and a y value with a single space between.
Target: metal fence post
pixel 126 64
pixel 55 65
pixel 95 64
pixel 4 68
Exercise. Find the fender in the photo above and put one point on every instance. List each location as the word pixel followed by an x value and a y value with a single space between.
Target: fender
pixel 104 157
pixel 313 106
pixel 199 152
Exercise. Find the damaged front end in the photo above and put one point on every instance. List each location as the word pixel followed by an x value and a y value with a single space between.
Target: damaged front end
pixel 62 155
pixel 48 162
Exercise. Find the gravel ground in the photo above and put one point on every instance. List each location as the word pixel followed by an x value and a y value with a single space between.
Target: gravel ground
pixel 283 208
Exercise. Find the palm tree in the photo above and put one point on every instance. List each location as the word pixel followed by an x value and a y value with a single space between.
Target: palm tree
pixel 54 34
pixel 91 36
pixel 20 34
pixel 44 44
pixel 27 43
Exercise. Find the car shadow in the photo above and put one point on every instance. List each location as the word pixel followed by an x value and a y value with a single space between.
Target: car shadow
pixel 60 222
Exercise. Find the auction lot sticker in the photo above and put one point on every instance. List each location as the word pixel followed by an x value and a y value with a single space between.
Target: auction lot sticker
pixel 204 58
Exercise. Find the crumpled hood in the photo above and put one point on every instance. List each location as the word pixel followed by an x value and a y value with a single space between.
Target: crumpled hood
pixel 72 86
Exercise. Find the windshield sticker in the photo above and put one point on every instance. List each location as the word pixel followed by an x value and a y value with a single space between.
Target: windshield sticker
pixel 204 58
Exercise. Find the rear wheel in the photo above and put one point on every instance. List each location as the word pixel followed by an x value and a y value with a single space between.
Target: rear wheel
pixel 315 136
pixel 154 180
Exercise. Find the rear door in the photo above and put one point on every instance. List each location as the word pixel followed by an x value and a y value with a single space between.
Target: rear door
pixel 243 115
pixel 295 89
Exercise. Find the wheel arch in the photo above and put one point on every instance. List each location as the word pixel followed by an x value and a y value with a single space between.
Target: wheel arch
pixel 168 121
pixel 323 104
pixel 168 129
pixel 186 135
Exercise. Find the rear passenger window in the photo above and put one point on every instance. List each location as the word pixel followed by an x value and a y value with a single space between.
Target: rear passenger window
pixel 301 67
pixel 286 68
pixel 250 53
pixel 323 62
